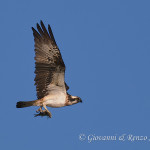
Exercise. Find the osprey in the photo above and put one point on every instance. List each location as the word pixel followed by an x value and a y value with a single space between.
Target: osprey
pixel 50 72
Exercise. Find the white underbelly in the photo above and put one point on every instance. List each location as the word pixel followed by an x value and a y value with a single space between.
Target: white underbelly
pixel 55 104
pixel 58 101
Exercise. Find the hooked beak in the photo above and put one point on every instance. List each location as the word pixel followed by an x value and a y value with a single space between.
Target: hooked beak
pixel 80 100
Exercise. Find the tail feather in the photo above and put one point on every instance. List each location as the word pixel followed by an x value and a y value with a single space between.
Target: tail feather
pixel 22 104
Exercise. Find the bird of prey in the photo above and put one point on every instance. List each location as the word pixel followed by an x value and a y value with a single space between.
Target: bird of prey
pixel 50 74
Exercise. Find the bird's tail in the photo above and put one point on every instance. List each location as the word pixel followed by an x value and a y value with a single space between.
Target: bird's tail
pixel 22 104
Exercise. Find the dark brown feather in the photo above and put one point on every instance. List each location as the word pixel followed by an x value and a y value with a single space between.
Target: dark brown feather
pixel 51 33
pixel 49 64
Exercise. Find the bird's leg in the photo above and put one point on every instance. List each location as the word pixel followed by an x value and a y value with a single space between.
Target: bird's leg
pixel 47 111
pixel 39 110
pixel 43 112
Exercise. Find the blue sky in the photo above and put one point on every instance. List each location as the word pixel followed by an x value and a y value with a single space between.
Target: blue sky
pixel 106 48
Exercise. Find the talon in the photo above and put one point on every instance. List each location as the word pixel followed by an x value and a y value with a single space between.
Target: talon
pixel 35 115
pixel 48 113
pixel 43 112
pixel 39 110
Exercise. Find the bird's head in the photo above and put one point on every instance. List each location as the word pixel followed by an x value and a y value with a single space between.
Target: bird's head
pixel 73 100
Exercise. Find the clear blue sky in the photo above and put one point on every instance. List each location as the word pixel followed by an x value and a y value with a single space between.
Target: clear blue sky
pixel 105 45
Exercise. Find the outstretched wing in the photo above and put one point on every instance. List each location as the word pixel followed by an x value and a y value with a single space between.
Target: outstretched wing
pixel 49 65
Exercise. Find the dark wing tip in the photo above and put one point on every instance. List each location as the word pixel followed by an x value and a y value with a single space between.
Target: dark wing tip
pixel 43 32
pixel 37 25
pixel 32 28
pixel 41 22
pixel 35 33
pixel 51 33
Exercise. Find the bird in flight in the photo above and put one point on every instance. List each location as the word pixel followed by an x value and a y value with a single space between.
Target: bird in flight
pixel 49 74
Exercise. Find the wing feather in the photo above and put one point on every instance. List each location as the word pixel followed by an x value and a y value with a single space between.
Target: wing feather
pixel 49 65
